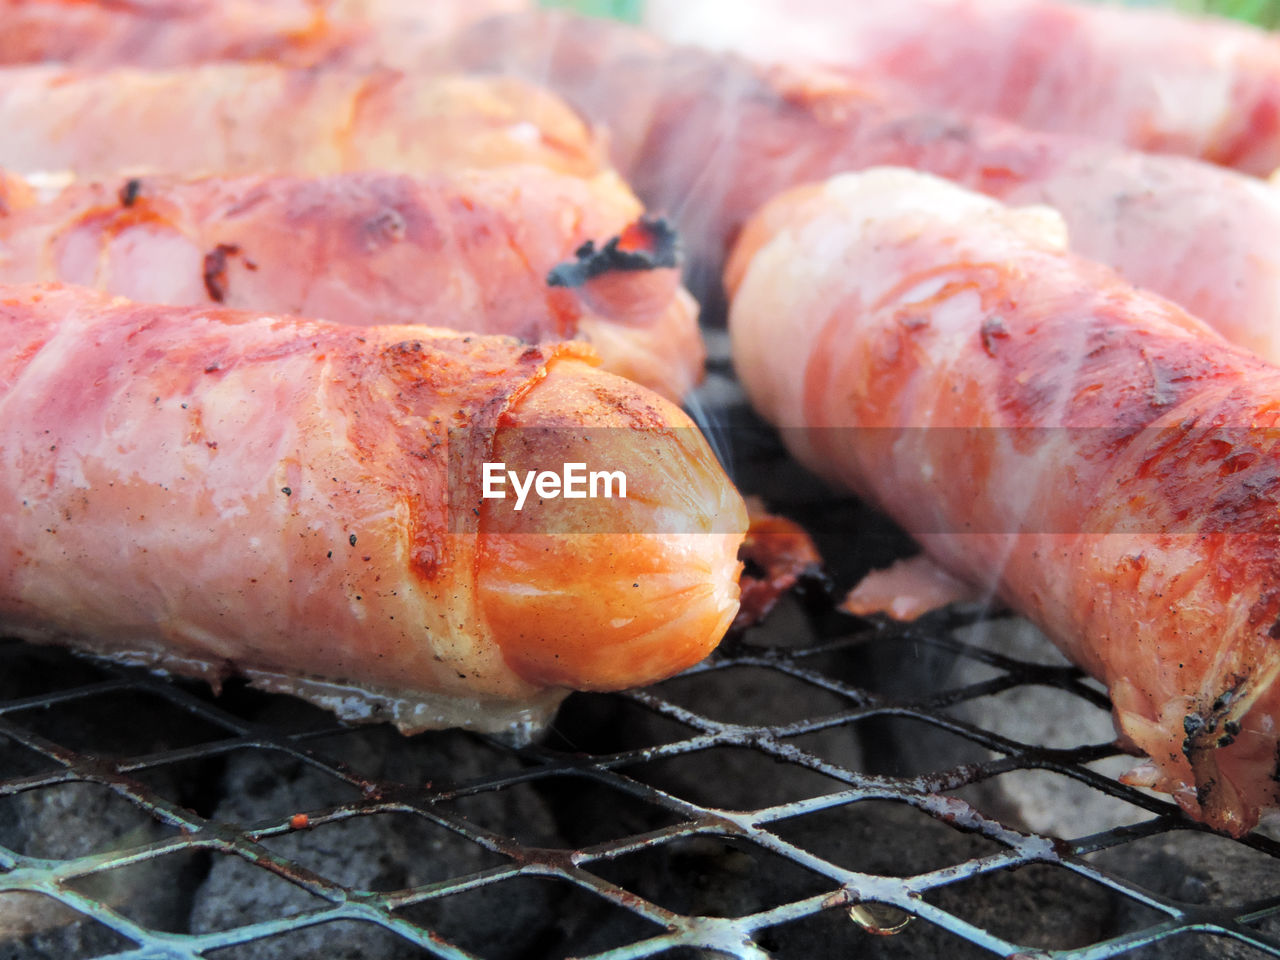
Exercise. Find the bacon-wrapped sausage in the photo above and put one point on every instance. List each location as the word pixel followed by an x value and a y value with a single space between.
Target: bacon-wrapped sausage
pixel 472 250
pixel 216 492
pixel 1152 79
pixel 710 138
pixel 252 118
pixel 1102 458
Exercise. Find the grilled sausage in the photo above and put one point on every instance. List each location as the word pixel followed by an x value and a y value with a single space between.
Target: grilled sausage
pixel 252 118
pixel 1151 79
pixel 223 493
pixel 1104 460
pixel 474 250
pixel 709 138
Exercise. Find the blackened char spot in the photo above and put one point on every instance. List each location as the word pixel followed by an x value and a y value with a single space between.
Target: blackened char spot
pixel 1204 790
pixel 129 192
pixel 388 226
pixel 644 245
pixel 1228 695
pixel 993 329
pixel 215 271
pixel 1231 730
pixel 405 347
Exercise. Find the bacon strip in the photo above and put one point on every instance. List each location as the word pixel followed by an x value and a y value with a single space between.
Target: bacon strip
pixel 709 138
pixel 216 492
pixel 777 555
pixel 1101 458
pixel 477 250
pixel 907 590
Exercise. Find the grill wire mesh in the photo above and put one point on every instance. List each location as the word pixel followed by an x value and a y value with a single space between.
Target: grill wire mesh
pixel 813 765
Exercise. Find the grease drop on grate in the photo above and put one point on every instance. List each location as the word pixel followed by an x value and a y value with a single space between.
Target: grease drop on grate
pixel 882 919
pixel 833 934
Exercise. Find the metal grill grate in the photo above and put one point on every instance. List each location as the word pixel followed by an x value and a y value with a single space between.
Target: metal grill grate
pixel 608 871
pixel 813 766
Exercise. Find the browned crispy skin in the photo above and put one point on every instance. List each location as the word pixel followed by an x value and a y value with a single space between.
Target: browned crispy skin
pixel 253 118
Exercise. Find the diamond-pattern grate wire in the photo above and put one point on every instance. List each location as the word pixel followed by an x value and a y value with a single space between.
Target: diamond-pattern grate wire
pixel 556 769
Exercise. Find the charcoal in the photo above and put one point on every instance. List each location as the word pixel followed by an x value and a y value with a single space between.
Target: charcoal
pixel 379 851
pixel 1040 716
pixel 70 820
pixel 1198 870
pixel 37 927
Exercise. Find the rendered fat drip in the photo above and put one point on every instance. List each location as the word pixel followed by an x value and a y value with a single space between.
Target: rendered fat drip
pixel 881 919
